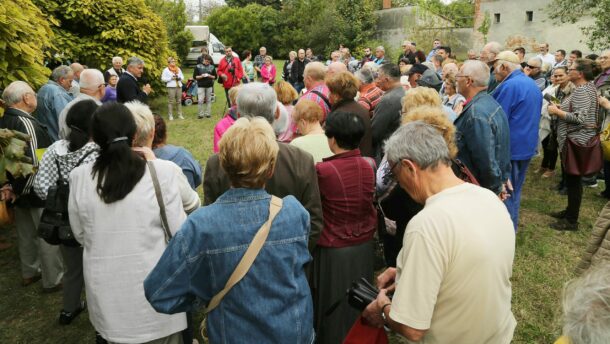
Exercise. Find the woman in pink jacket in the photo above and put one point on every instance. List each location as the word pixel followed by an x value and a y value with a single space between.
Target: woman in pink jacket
pixel 268 71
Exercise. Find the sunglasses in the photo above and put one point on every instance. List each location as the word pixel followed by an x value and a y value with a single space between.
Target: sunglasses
pixel 531 67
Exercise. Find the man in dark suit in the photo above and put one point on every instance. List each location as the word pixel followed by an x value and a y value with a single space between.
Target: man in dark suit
pixel 127 89
pixel 294 173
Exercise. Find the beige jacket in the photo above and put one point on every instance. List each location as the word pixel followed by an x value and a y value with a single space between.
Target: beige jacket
pixel 598 250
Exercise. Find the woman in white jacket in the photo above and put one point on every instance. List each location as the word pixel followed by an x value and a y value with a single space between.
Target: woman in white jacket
pixel 172 77
pixel 115 214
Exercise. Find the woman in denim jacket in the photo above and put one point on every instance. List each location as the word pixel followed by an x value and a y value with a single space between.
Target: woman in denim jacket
pixel 272 303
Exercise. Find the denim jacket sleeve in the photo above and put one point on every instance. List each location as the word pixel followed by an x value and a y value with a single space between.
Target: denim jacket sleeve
pixel 167 287
pixel 480 138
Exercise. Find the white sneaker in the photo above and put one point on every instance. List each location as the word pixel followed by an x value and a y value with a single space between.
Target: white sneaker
pixel 180 116
pixel 201 115
pixel 208 115
pixel 171 118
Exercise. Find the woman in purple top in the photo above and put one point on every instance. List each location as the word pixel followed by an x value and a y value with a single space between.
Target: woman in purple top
pixel 110 95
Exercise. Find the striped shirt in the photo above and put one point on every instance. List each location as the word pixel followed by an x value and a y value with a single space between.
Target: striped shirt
pixel 580 123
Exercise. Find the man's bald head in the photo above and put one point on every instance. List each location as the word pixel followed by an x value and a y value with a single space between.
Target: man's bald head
pixel 335 68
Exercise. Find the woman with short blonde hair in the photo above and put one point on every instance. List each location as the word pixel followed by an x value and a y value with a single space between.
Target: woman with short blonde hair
pixel 286 94
pixel 216 237
pixel 307 116
pixel 435 116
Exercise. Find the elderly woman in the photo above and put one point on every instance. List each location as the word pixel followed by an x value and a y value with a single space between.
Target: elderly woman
pixel 67 154
pixel 370 94
pixel 452 98
pixel 178 155
pixel 560 88
pixel 307 115
pixel 577 120
pixel 346 248
pixel 286 94
pixel 343 88
pixel 115 214
pixel 288 65
pixel 268 71
pixel 272 302
pixel 172 77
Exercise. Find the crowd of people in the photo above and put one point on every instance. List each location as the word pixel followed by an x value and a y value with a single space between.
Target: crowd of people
pixel 312 171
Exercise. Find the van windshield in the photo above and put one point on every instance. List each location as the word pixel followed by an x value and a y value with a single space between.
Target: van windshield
pixel 199 43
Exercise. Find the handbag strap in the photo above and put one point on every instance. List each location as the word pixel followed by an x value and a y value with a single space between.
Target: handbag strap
pixel 246 261
pixel 159 196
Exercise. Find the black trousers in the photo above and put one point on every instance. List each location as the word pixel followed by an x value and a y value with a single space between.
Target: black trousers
pixel 574 186
pixel 549 152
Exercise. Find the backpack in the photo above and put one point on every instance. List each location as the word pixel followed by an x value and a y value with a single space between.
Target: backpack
pixel 54 225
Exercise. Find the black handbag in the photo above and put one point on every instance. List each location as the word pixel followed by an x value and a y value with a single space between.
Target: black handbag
pixel 54 225
pixel 361 294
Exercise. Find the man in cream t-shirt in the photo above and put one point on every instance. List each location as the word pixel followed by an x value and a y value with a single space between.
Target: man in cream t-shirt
pixel 452 281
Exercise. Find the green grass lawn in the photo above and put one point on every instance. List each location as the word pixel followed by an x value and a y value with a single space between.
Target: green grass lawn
pixel 544 260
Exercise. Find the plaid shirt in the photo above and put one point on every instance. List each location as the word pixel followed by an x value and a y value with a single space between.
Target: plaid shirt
pixel 317 99
pixel 370 96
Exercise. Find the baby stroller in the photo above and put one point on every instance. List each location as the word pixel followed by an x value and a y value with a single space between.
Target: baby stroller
pixel 189 92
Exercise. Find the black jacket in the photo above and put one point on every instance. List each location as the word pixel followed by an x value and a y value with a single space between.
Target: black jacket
pixel 18 120
pixel 203 69
pixel 296 72
pixel 128 89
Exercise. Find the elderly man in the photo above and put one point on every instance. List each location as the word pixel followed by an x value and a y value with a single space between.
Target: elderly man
pixel 488 55
pixel 533 69
pixel 521 101
pixel 370 94
pixel 407 53
pixel 379 55
pixel 317 91
pixel 297 71
pixel 335 56
pixel 294 173
pixel 35 254
pixel 116 70
pixel 53 97
pixel 472 55
pixel 77 68
pixel 335 68
pixel 482 132
pixel 448 286
pixel 386 117
pixel 127 88
pixel 259 61
pixel 544 54
pixel 91 88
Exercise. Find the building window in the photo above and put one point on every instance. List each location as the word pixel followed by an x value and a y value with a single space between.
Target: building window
pixel 497 17
pixel 529 15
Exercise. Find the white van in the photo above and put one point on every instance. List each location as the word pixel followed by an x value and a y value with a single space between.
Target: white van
pixel 202 38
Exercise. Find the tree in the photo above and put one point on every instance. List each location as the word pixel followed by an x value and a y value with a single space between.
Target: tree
pixel 174 17
pixel 247 27
pixel 24 36
pixel 571 11
pixel 276 4
pixel 92 32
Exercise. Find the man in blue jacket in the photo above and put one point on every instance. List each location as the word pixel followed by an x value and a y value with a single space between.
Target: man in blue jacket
pixel 522 102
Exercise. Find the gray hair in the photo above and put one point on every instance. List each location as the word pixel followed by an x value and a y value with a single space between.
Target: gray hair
pixel 14 92
pixel 365 75
pixel 586 303
pixel 77 67
pixel 61 72
pixel 280 125
pixel 494 47
pixel 478 71
pixel 145 121
pixel 90 79
pixel 419 142
pixel 380 48
pixel 257 99
pixel 134 61
pixel 117 59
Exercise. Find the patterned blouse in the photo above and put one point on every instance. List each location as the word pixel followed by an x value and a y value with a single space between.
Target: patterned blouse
pixel 580 123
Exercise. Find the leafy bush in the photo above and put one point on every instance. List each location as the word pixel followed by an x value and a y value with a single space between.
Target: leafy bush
pixel 173 14
pixel 92 32
pixel 24 35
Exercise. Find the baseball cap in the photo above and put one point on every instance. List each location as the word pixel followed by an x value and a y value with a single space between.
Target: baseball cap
pixel 417 68
pixel 508 56
pixel 430 79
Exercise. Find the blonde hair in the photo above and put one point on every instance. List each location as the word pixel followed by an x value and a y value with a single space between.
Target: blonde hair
pixel 286 94
pixel 233 92
pixel 248 152
pixel 316 70
pixel 343 84
pixel 434 116
pixel 145 122
pixel 420 96
pixel 307 110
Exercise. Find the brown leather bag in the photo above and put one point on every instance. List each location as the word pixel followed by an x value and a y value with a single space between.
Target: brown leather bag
pixel 7 216
pixel 582 159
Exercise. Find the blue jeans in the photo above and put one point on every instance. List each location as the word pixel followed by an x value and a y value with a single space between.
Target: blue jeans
pixel 298 86
pixel 518 171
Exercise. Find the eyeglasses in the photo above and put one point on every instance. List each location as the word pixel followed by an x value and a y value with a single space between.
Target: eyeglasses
pixel 530 66
pixel 391 173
